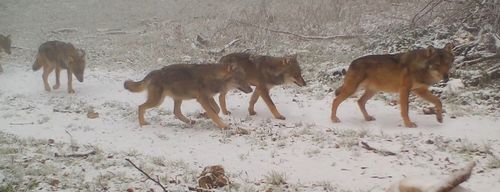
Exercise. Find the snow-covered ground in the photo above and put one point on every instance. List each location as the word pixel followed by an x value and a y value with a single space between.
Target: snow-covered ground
pixel 307 147
pixel 312 153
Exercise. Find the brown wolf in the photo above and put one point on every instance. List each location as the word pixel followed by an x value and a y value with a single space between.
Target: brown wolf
pixel 423 184
pixel 59 55
pixel 403 72
pixel 189 81
pixel 264 72
pixel 5 44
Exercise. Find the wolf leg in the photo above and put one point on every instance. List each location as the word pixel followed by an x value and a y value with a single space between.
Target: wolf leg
pixel 205 103
pixel 425 94
pixel 155 98
pixel 58 83
pixel 222 102
pixel 47 69
pixel 264 93
pixel 70 81
pixel 345 92
pixel 178 112
pixel 253 100
pixel 362 102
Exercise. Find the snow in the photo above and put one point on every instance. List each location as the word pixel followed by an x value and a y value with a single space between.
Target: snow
pixel 312 152
pixel 307 152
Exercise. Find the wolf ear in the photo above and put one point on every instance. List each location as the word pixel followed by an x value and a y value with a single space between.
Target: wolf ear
pixel 81 53
pixel 8 36
pixel 448 47
pixel 289 59
pixel 231 67
pixel 430 51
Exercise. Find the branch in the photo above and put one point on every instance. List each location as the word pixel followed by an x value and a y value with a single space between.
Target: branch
pixel 368 147
pixel 81 154
pixel 225 46
pixel 472 62
pixel 149 177
pixel 303 36
pixel 419 14
pixel 29 123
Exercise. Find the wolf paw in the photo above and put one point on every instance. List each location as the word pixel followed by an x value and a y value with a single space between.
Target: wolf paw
pixel 411 125
pixel 47 88
pixel 439 119
pixel 226 112
pixel 281 117
pixel 144 123
pixel 224 126
pixel 56 86
pixel 252 112
pixel 370 118
pixel 192 122
pixel 71 91
pixel 335 119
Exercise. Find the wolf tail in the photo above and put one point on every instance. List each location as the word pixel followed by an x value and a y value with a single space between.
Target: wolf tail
pixel 36 65
pixel 137 86
pixel 456 179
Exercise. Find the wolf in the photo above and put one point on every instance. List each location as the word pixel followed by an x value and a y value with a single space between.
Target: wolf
pixel 189 81
pixel 412 71
pixel 264 72
pixel 60 55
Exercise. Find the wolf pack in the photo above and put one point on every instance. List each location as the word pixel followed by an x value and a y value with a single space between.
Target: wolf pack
pixel 413 71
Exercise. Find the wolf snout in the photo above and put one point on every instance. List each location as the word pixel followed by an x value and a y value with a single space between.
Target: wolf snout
pixel 300 82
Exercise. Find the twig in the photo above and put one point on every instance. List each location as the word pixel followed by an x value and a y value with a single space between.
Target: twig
pixel 368 147
pixel 303 36
pixel 472 62
pixel 149 177
pixel 65 30
pixel 419 14
pixel 225 47
pixel 81 155
pixel 65 111
pixel 29 123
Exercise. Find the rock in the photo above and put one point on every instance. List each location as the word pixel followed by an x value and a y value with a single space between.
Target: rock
pixel 54 183
pixel 51 141
pixel 241 131
pixel 92 115
pixel 130 190
pixel 212 177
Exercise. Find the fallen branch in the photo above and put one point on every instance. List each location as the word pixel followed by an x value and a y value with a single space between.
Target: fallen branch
pixel 365 145
pixel 302 36
pixel 225 47
pixel 111 31
pixel 65 111
pixel 29 123
pixel 421 13
pixel 65 30
pixel 149 177
pixel 84 155
pixel 479 60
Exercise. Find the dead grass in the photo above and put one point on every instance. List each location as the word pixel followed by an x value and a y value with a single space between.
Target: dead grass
pixel 275 178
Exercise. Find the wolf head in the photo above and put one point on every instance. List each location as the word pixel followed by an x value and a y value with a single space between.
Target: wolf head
pixel 78 64
pixel 5 43
pixel 293 72
pixel 440 62
pixel 237 77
